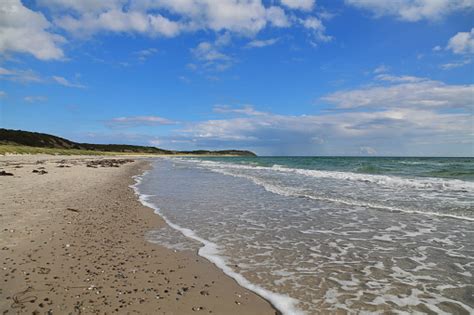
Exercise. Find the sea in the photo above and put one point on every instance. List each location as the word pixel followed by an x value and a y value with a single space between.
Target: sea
pixel 337 235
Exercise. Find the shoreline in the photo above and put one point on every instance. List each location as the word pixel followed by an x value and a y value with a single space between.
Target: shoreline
pixel 208 251
pixel 73 241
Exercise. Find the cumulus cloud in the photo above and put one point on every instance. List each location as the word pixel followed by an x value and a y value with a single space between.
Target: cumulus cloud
pixel 330 133
pixel 462 43
pixel 414 115
pixel 408 115
pixel 115 20
pixel 413 10
pixel 256 43
pixel 306 5
pixel 25 31
pixel 277 17
pixel 137 121
pixel 316 26
pixel 148 17
pixel 65 82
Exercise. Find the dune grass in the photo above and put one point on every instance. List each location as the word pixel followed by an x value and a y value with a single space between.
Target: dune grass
pixel 22 149
pixel 19 149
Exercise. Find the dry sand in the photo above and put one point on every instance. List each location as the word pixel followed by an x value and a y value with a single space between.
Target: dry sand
pixel 72 242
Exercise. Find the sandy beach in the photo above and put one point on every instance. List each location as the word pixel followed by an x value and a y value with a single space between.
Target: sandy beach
pixel 72 242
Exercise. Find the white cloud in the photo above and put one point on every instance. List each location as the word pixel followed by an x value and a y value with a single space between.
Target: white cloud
pixel 457 64
pixel 462 42
pixel 405 92
pixel 277 17
pixel 437 48
pixel 22 76
pixel 65 82
pixel 30 76
pixel 306 5
pixel 147 17
pixel 413 10
pixel 381 69
pixel 116 20
pixel 391 131
pixel 245 110
pixel 316 26
pixel 144 54
pixel 210 56
pixel 25 31
pixel 35 99
pixel 207 51
pixel 398 79
pixel 137 121
pixel 3 94
pixel 262 43
pixel 408 115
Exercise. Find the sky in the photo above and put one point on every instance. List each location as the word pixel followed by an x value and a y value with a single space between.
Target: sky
pixel 278 77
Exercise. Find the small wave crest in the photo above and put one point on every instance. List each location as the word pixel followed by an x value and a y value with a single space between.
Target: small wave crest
pixel 294 192
pixel 385 180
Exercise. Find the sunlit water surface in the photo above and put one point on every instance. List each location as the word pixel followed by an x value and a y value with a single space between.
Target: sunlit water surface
pixel 343 235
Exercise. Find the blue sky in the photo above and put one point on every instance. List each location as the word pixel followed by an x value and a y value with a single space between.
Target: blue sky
pixel 282 77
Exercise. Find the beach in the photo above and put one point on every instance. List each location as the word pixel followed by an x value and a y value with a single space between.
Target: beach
pixel 72 237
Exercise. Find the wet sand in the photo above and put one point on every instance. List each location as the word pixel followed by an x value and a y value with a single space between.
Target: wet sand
pixel 72 242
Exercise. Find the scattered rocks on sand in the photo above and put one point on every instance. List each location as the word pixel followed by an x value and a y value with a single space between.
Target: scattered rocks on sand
pixel 40 172
pixel 108 163
pixel 3 173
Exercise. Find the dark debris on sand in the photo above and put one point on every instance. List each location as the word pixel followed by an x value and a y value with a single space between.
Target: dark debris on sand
pixel 40 172
pixel 108 163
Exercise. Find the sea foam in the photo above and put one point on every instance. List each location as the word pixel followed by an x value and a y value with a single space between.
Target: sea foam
pixel 285 304
pixel 387 180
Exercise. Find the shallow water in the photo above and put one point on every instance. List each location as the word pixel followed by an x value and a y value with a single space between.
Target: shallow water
pixel 329 239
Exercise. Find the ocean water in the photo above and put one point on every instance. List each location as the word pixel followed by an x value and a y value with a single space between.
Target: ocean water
pixel 326 235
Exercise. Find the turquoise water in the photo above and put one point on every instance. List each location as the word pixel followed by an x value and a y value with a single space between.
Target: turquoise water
pixel 326 235
pixel 456 168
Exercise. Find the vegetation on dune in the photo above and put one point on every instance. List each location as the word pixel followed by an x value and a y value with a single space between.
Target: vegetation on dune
pixel 21 149
pixel 25 142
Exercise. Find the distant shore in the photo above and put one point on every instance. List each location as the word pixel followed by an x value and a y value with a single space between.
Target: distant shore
pixel 72 241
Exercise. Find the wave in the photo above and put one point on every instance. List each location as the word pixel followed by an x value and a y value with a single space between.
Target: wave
pixel 385 180
pixel 294 192
pixel 210 251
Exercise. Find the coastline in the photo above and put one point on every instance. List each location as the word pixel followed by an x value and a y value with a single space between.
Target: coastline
pixel 72 241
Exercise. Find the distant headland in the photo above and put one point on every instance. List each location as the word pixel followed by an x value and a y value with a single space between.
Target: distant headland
pixel 20 141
